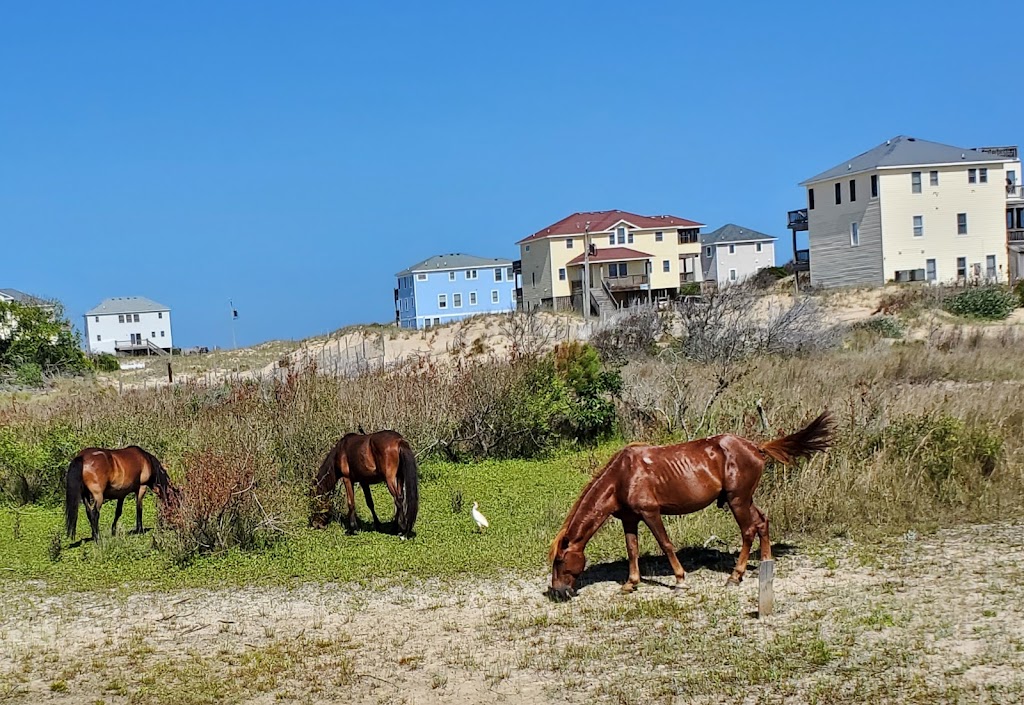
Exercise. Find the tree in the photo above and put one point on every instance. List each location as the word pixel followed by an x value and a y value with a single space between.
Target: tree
pixel 39 336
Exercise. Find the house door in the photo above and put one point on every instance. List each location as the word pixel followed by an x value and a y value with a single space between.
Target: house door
pixel 929 270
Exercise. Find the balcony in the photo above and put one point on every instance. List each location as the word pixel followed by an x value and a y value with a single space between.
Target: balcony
pixel 798 220
pixel 1015 192
pixel 630 282
pixel 1015 235
pixel 687 277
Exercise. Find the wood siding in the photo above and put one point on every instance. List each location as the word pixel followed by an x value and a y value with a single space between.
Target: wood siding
pixel 834 261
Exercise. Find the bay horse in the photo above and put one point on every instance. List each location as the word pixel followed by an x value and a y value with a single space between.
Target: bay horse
pixel 98 474
pixel 643 482
pixel 368 459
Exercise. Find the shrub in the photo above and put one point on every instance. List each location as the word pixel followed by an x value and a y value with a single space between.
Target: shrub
pixel 988 303
pixel 636 332
pixel 766 277
pixel 29 374
pixel 105 362
pixel 1018 289
pixel 884 326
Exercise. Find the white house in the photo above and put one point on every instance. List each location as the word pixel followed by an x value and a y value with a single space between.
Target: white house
pixel 128 324
pixel 733 253
pixel 913 210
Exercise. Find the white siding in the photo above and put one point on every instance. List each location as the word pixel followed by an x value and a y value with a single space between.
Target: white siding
pixel 104 330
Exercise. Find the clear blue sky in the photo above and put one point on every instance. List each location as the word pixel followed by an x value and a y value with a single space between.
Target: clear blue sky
pixel 294 156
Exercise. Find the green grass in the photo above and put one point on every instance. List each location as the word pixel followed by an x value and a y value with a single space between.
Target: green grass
pixel 525 502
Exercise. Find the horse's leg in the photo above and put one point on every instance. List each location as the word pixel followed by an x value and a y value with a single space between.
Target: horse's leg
pixel 138 508
pixel 742 510
pixel 396 492
pixel 350 494
pixel 631 525
pixel 764 542
pixel 92 510
pixel 654 523
pixel 369 503
pixel 117 515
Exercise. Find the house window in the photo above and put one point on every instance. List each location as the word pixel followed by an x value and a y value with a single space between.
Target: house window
pixel 561 274
pixel 933 178
pixel 437 321
pixel 442 300
pixel 527 248
pixel 732 249
pixel 472 298
pixel 497 274
pixel 568 243
pixel 961 223
pixel 471 274
pixel 611 239
pixel 854 235
pixel 732 275
pixel 983 175
pixel 152 334
pixel 707 251
pixel 810 199
pixel 972 176
pixel 423 277
pixel 161 334
pixel 99 338
pixel 961 267
pixel 918 226
pixel 97 319
pixel 990 267
pixel 915 182
pixel 853 190
pixel 629 238
pixel 494 296
pixel 757 247
pixel 874 185
pixel 616 270
pixel 136 317
pixel 839 194
pixel 659 236
pixel 457 300
pixel 120 318
pixel 451 276
pixel 621 233
pixel 508 273
pixel 666 265
pixel 929 270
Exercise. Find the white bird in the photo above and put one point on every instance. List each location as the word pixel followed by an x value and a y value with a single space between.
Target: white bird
pixel 480 519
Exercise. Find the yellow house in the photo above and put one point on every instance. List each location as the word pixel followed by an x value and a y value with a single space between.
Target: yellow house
pixel 631 257
pixel 913 210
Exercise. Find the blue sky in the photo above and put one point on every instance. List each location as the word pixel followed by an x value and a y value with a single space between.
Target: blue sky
pixel 294 156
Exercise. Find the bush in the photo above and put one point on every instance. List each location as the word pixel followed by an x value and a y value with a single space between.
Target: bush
pixel 636 332
pixel 767 277
pixel 884 326
pixel 988 303
pixel 1018 289
pixel 40 336
pixel 105 362
pixel 690 289
pixel 29 374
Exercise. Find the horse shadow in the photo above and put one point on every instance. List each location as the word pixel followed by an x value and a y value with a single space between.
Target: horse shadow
pixel 693 558
pixel 121 533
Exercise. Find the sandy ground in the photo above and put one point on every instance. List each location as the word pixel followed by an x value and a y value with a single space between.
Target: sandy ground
pixel 922 619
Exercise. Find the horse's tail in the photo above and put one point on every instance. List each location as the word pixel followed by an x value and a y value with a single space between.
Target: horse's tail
pixel 73 480
pixel 409 472
pixel 814 438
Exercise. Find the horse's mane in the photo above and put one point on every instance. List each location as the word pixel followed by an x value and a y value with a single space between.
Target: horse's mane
pixel 576 505
pixel 327 467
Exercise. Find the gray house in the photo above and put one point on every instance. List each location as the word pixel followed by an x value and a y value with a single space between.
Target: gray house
pixel 732 253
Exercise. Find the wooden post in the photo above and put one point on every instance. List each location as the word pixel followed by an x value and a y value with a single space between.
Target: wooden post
pixel 170 374
pixel 765 588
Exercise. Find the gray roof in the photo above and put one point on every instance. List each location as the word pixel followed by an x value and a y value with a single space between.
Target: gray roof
pixel 22 298
pixel 126 304
pixel 455 260
pixel 904 151
pixel 733 233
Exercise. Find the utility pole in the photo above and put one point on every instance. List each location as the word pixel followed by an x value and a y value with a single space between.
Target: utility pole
pixel 586 272
pixel 234 315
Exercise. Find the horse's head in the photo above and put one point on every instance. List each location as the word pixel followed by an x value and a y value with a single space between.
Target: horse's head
pixel 567 563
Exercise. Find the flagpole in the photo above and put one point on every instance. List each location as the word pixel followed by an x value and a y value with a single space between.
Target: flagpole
pixel 231 304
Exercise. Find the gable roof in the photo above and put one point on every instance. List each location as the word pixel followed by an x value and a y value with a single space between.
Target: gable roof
pixel 126 304
pixel 905 151
pixel 22 298
pixel 455 260
pixel 612 254
pixel 734 233
pixel 602 221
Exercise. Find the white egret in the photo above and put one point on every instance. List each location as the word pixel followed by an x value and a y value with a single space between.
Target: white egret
pixel 480 519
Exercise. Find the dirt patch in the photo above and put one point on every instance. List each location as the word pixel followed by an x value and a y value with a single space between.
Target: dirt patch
pixel 914 620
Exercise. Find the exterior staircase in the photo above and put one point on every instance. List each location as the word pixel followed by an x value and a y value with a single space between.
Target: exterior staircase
pixel 154 348
pixel 600 302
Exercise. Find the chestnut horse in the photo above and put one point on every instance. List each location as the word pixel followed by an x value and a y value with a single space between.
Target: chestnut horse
pixel 642 482
pixel 98 474
pixel 368 459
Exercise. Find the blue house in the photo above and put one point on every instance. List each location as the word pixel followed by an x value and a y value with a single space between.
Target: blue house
pixel 451 287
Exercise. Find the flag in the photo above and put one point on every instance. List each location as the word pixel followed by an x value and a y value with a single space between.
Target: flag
pixel 234 314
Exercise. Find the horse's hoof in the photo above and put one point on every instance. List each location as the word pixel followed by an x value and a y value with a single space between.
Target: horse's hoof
pixel 732 581
pixel 628 588
pixel 680 584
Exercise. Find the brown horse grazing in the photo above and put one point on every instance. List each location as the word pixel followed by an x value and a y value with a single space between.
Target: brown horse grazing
pixel 641 483
pixel 98 474
pixel 383 456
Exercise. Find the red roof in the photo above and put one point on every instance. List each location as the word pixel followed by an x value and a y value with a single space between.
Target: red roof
pixel 602 221
pixel 612 254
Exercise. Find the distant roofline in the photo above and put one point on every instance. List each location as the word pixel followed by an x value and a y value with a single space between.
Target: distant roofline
pixel 897 167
